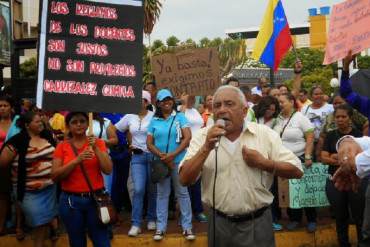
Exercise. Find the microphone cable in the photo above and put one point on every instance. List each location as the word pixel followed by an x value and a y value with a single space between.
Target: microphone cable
pixel 214 198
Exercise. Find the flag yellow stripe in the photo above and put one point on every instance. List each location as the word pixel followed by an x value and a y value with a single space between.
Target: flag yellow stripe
pixel 266 30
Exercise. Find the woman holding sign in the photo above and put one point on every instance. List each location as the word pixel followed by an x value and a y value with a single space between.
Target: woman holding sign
pixel 77 206
pixel 342 201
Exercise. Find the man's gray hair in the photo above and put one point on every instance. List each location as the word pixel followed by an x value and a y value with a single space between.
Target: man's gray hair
pixel 241 97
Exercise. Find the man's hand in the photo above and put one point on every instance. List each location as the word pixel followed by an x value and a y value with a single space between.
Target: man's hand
pixel 345 177
pixel 213 135
pixel 253 158
pixel 345 180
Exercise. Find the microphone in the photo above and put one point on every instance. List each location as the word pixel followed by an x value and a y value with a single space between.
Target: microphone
pixel 222 123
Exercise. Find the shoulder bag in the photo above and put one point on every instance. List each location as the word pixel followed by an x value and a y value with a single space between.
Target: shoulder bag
pixel 158 169
pixel 106 212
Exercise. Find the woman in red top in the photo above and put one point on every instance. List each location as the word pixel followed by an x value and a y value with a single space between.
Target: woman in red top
pixel 76 205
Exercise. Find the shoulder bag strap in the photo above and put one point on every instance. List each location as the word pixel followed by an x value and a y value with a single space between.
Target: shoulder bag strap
pixel 308 107
pixel 83 169
pixel 290 118
pixel 169 134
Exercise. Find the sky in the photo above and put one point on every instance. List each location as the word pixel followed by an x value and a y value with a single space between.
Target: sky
pixel 210 18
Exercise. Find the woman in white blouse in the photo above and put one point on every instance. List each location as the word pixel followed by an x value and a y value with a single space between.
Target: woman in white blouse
pixel 137 125
pixel 297 134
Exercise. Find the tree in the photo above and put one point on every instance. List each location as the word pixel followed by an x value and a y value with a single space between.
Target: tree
pixel 232 52
pixel 205 42
pixel 157 44
pixel 28 69
pixel 363 62
pixel 190 43
pixel 314 72
pixel 320 77
pixel 152 10
pixel 172 41
pixel 311 58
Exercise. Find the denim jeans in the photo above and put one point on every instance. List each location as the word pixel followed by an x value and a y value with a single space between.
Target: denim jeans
pixel 108 178
pixel 182 195
pixel 79 216
pixel 140 173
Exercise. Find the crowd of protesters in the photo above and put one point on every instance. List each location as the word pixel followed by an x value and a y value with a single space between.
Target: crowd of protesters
pixel 42 185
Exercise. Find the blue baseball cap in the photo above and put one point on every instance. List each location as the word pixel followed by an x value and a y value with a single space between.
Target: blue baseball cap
pixel 163 93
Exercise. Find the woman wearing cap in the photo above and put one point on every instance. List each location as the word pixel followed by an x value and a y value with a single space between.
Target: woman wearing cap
pixel 170 128
pixel 137 125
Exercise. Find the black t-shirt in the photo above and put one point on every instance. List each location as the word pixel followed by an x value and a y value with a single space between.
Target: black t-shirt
pixel 331 140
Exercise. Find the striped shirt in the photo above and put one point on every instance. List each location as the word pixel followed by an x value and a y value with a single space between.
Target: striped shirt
pixel 39 161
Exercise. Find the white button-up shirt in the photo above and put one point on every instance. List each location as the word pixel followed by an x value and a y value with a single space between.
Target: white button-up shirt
pixel 240 189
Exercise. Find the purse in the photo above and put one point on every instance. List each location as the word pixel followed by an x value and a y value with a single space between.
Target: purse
pixel 107 214
pixel 158 169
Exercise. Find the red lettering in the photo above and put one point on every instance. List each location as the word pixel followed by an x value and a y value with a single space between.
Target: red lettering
pixel 109 69
pixel 70 87
pixel 113 33
pixel 56 45
pixel 54 63
pixel 59 8
pixel 92 49
pixel 78 29
pixel 55 27
pixel 75 65
pixel 118 91
pixel 96 11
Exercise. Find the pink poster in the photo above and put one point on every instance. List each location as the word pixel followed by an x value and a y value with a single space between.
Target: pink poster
pixel 349 29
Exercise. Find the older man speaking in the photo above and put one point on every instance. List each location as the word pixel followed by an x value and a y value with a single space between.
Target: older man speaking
pixel 237 161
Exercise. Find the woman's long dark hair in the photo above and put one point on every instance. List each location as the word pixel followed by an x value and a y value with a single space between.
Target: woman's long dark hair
pixel 264 105
pixel 10 101
pixel 21 142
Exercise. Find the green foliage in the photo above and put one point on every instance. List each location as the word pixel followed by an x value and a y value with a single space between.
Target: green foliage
pixel 172 41
pixel 157 44
pixel 314 72
pixel 320 77
pixel 28 69
pixel 363 62
pixel 205 42
pixel 311 58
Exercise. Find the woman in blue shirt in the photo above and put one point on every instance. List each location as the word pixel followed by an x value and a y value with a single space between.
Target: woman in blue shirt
pixel 166 120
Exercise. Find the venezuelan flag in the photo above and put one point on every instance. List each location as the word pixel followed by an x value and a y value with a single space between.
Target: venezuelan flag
pixel 274 38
